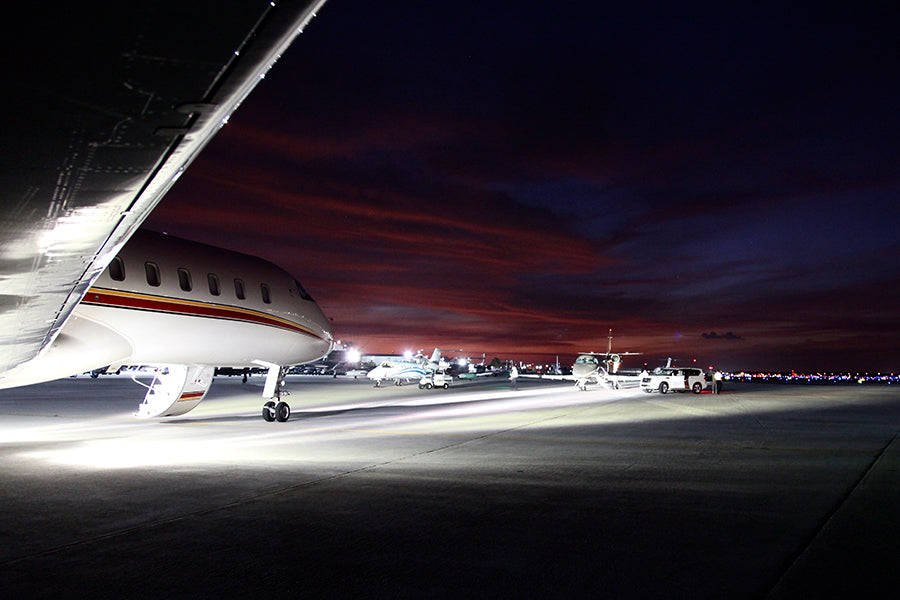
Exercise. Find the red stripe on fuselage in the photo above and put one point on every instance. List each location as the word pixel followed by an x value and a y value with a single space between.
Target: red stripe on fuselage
pixel 132 301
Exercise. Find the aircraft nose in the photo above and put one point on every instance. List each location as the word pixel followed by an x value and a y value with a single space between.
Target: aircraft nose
pixel 318 325
pixel 322 324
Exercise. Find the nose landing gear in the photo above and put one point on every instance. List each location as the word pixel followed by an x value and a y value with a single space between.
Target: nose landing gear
pixel 275 409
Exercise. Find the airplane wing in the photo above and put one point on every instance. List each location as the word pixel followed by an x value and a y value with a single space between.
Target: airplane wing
pixel 548 376
pixel 103 106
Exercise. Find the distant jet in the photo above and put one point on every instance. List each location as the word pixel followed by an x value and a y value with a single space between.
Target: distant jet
pixel 596 367
pixel 471 370
pixel 413 368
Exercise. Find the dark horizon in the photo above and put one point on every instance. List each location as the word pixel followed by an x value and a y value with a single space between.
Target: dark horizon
pixel 710 181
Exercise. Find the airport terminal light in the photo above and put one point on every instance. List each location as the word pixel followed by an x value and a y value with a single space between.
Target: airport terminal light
pixel 353 355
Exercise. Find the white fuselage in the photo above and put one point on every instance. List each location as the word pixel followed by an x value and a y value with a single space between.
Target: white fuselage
pixel 164 300
pixel 397 371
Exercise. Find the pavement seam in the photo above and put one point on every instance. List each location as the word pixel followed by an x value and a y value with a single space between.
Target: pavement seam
pixel 829 518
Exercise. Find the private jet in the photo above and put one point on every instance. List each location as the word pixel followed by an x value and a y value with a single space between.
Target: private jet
pixel 597 368
pixel 100 118
pixel 407 369
pixel 186 308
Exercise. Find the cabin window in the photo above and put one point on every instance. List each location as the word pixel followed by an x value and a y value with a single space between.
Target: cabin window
pixel 184 280
pixel 239 289
pixel 152 270
pixel 303 293
pixel 117 269
pixel 213 284
pixel 264 290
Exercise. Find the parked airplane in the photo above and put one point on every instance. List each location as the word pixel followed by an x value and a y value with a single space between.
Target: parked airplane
pixel 597 367
pixel 413 368
pixel 474 368
pixel 186 308
pixel 94 135
pixel 471 370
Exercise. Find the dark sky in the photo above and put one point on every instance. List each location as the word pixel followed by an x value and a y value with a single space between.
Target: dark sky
pixel 718 181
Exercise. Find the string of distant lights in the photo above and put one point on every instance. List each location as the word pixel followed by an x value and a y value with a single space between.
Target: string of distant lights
pixel 755 377
pixel 797 378
pixel 816 378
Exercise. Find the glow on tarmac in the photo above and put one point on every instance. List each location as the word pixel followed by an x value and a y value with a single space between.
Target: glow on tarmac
pixel 546 490
pixel 119 441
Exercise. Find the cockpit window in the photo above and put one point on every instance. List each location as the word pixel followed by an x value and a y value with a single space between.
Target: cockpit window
pixel 303 293
pixel 586 360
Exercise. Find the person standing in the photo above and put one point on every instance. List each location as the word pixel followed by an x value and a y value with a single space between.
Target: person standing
pixel 514 378
pixel 717 382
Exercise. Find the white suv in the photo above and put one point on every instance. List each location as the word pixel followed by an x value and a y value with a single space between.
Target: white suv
pixel 675 379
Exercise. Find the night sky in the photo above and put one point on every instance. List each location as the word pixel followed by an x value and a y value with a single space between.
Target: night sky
pixel 713 181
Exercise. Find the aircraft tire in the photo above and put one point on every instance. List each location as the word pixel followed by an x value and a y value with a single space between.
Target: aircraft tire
pixel 282 412
pixel 268 411
pixel 663 387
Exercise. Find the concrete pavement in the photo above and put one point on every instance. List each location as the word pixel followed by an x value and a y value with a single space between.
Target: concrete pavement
pixel 778 491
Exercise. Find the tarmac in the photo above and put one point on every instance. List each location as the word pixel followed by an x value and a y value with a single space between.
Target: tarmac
pixel 763 491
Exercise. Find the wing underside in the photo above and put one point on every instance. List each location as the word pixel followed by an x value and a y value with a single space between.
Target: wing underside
pixel 102 109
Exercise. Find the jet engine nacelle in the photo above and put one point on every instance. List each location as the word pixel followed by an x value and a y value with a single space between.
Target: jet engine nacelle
pixel 614 361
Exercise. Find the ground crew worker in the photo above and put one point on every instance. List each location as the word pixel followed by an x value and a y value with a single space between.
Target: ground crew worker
pixel 717 382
